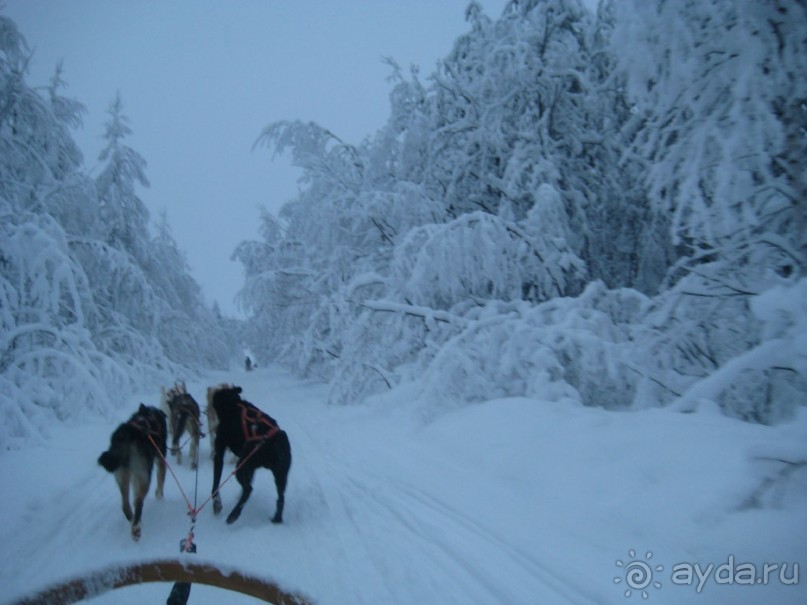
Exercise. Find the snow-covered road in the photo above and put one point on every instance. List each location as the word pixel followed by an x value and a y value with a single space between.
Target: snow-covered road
pixel 513 501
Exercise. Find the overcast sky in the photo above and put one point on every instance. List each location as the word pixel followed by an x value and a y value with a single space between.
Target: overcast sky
pixel 201 78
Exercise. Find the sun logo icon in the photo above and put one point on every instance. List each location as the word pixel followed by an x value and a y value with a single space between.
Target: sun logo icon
pixel 638 574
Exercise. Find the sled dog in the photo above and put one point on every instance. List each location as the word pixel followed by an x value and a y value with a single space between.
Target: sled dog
pixel 212 419
pixel 183 414
pixel 132 449
pixel 256 439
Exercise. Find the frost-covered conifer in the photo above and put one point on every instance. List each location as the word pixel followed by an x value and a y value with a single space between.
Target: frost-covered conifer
pixel 90 306
pixel 123 214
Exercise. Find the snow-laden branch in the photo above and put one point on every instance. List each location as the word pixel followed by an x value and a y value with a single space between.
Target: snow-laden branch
pixel 768 355
pixel 426 313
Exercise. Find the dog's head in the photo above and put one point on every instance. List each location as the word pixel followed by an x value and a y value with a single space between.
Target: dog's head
pixel 152 417
pixel 214 389
pixel 174 393
pixel 150 411
pixel 225 398
pixel 180 400
pixel 170 396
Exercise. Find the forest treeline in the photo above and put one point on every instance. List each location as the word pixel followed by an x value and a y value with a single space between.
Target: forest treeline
pixel 604 207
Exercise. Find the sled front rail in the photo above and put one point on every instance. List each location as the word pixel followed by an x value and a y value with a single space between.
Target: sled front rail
pixel 163 570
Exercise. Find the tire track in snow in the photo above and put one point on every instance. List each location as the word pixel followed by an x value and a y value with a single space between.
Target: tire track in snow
pixel 356 569
pixel 73 529
pixel 50 528
pixel 403 525
pixel 396 525
pixel 453 577
pixel 562 584
pixel 64 509
pixel 477 557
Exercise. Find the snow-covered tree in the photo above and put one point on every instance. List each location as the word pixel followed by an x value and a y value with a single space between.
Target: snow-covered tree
pixel 461 196
pixel 123 214
pixel 721 86
pixel 86 313
pixel 719 89
pixel 558 168
pixel 47 357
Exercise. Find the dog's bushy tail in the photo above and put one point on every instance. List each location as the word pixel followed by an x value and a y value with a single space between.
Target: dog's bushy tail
pixel 118 453
pixel 109 461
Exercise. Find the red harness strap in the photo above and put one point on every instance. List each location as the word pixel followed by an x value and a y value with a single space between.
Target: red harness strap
pixel 256 425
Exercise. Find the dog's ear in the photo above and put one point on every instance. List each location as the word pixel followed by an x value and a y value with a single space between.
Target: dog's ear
pixel 142 408
pixel 238 390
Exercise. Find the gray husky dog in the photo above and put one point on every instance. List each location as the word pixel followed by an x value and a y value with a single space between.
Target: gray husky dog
pixel 132 449
pixel 183 414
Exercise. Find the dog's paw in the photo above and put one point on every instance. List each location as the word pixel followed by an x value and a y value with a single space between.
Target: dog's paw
pixel 233 516
pixel 217 506
pixel 135 532
pixel 158 494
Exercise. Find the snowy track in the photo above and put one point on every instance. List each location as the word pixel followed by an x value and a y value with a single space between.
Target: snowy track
pixel 515 502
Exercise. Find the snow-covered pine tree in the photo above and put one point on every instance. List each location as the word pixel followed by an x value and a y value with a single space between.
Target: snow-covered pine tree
pixel 142 284
pixel 123 214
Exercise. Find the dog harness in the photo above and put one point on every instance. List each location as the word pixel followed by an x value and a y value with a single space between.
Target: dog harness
pixel 184 404
pixel 256 425
pixel 147 424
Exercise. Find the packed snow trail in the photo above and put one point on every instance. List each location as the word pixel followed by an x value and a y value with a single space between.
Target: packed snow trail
pixel 513 501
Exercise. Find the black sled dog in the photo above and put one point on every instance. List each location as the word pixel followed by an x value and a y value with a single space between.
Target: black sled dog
pixel 183 414
pixel 212 418
pixel 258 442
pixel 131 457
